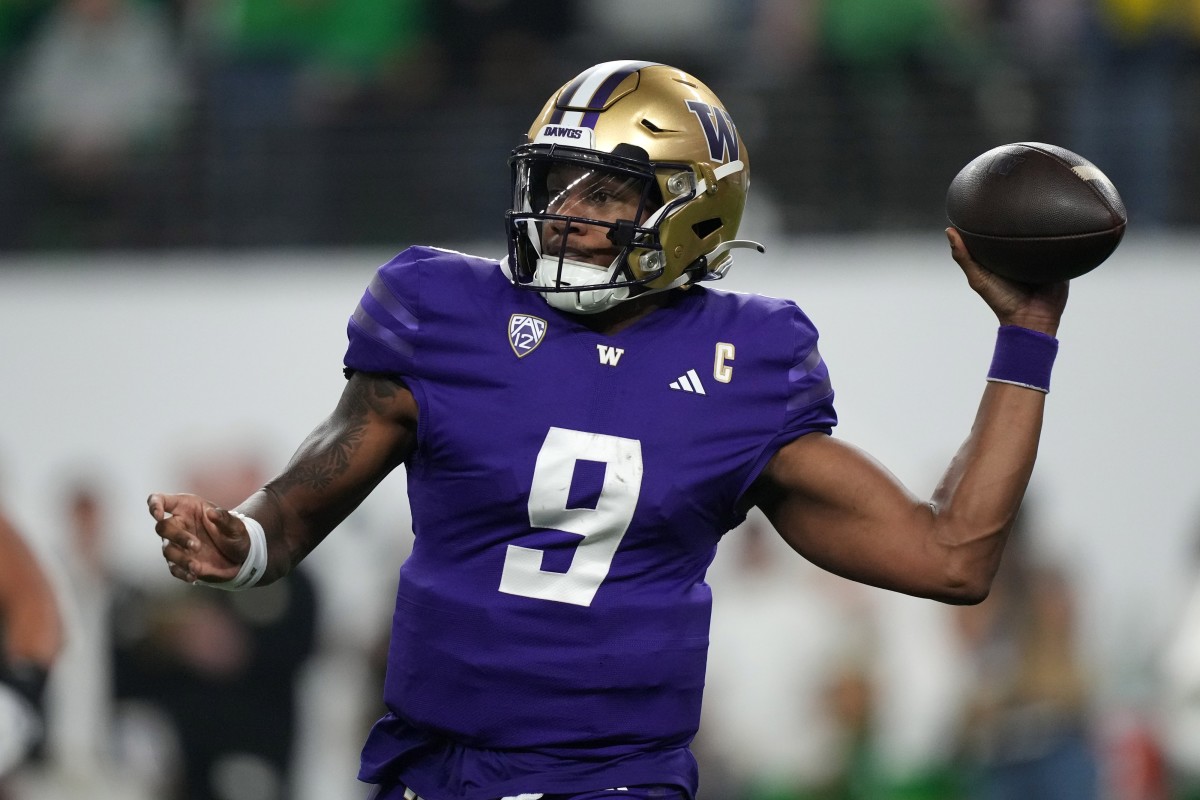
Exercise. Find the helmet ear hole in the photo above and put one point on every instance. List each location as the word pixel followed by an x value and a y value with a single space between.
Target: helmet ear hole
pixel 707 227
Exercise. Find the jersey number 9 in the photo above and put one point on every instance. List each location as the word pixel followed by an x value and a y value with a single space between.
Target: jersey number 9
pixel 602 527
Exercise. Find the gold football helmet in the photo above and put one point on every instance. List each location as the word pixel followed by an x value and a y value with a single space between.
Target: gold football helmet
pixel 634 180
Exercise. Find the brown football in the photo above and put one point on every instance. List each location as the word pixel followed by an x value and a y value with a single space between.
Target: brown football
pixel 1035 212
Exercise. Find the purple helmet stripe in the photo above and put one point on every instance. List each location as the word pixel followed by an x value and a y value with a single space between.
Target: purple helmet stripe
pixel 564 97
pixel 609 76
pixel 601 95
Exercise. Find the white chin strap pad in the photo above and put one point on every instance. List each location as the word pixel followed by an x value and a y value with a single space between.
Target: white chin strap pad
pixel 575 273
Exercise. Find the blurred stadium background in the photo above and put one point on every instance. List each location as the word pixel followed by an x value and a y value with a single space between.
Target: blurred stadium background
pixel 194 193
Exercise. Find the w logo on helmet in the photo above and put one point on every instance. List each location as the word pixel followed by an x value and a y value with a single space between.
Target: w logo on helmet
pixel 718 130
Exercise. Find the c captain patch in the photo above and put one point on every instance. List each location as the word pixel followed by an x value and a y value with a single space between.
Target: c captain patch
pixel 525 333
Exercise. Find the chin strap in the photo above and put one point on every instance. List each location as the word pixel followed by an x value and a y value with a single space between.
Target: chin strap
pixel 725 247
pixel 717 254
pixel 720 172
pixel 702 265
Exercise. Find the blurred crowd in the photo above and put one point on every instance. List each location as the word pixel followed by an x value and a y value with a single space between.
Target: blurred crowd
pixel 232 123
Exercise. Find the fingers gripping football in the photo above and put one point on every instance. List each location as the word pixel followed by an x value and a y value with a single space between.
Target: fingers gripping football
pixel 201 542
pixel 1038 307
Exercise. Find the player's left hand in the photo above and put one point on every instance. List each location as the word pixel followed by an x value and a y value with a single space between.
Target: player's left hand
pixel 1038 307
pixel 201 541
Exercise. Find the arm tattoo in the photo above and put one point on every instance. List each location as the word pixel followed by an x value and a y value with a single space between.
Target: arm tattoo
pixel 328 451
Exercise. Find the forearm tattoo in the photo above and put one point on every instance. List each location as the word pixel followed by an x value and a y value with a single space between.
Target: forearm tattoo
pixel 329 451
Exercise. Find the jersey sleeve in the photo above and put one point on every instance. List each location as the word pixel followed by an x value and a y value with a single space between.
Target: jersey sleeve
pixel 809 392
pixel 383 331
pixel 808 407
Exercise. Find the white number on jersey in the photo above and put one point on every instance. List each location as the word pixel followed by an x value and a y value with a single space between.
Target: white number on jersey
pixel 601 527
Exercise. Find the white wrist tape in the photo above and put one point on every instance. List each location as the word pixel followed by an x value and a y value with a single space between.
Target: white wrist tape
pixel 256 560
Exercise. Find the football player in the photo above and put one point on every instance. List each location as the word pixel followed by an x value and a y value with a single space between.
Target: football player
pixel 580 423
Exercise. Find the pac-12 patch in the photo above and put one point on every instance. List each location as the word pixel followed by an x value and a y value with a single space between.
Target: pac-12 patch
pixel 525 333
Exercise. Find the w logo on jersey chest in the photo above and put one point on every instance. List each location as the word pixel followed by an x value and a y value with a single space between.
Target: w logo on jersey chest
pixel 525 333
pixel 610 355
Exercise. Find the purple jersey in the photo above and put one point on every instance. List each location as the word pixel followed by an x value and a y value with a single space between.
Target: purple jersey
pixel 568 491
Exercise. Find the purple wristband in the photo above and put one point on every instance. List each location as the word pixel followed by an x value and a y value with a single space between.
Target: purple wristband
pixel 1023 357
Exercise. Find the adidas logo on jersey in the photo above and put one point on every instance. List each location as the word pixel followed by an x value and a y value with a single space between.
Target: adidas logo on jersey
pixel 689 382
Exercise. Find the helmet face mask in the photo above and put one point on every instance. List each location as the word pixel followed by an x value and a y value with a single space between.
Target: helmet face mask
pixel 634 181
pixel 584 224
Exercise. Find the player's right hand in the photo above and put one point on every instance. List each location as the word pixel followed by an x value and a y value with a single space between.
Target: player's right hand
pixel 1037 307
pixel 201 541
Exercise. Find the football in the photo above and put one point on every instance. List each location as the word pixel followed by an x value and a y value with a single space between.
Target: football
pixel 1036 213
